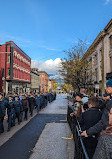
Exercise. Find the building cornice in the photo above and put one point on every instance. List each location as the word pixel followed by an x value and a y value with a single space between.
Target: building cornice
pixel 91 49
pixel 108 26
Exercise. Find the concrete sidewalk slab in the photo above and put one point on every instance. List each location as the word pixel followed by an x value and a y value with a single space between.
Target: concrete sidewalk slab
pixel 51 145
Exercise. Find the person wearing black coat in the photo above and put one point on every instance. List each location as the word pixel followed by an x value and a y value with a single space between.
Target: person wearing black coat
pixel 18 108
pixel 32 103
pixel 1 120
pixel 97 128
pixel 25 105
pixel 88 119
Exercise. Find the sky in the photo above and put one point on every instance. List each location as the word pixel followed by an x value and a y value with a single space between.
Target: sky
pixel 44 28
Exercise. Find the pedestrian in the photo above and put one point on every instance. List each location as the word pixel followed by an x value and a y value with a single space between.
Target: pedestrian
pixel 88 119
pixel 97 128
pixel 104 147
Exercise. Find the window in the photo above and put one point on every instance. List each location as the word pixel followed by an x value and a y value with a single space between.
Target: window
pixel 111 42
pixel 8 71
pixel 96 74
pixel 9 59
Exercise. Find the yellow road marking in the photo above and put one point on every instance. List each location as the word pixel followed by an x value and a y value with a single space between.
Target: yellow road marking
pixel 67 138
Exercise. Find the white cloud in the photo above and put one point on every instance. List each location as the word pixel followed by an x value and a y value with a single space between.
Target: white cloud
pixel 108 1
pixel 50 66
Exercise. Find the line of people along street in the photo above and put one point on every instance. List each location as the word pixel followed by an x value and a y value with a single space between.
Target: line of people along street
pixel 94 114
pixel 17 107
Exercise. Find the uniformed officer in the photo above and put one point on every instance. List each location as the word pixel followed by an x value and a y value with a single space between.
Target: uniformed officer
pixel 18 108
pixel 25 105
pixel 38 102
pixel 3 104
pixel 31 104
pixel 11 113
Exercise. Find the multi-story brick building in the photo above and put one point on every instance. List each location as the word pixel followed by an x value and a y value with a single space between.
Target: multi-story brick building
pixel 16 67
pixel 44 78
pixel 50 85
pixel 35 80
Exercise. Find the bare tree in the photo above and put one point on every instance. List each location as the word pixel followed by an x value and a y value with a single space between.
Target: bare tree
pixel 74 67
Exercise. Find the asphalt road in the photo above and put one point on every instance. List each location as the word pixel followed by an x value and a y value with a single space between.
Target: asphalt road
pixel 21 144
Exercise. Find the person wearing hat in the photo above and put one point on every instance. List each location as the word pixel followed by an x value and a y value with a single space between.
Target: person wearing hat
pixel 97 128
pixel 11 112
pixel 18 108
pixel 37 99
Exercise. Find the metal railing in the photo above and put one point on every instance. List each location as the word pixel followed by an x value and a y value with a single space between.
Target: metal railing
pixel 80 150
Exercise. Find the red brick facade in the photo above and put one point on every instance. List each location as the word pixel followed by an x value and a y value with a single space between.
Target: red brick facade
pixel 16 67
pixel 44 78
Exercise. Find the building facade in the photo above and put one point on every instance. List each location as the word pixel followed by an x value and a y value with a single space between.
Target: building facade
pixel 35 80
pixel 15 67
pixel 50 85
pixel 99 55
pixel 44 78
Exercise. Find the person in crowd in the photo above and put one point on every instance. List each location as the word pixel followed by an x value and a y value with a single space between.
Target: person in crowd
pixel 87 119
pixel 18 108
pixel 31 104
pixel 16 105
pixel 38 102
pixel 20 96
pixel 104 146
pixel 78 105
pixel 3 104
pixel 11 113
pixel 25 105
pixel 91 116
pixel 97 128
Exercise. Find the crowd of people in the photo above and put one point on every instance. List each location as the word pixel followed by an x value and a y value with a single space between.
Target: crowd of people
pixel 94 114
pixel 17 106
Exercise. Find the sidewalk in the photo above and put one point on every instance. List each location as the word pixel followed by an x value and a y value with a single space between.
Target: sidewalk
pixel 50 144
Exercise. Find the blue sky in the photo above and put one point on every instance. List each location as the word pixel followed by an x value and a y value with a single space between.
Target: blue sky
pixel 43 28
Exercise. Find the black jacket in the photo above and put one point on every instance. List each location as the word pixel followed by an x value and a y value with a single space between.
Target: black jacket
pixel 102 123
pixel 1 113
pixel 89 118
pixel 25 104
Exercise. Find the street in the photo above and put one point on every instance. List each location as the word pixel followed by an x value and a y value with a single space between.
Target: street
pixel 40 137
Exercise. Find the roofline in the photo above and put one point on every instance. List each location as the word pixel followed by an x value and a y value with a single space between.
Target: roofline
pixel 43 72
pixel 108 25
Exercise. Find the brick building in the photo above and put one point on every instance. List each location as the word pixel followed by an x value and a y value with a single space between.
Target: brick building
pixel 15 66
pixel 44 78
pixel 50 85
